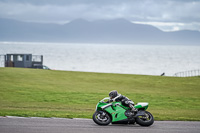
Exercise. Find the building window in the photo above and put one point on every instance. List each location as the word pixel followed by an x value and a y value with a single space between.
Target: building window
pixel 19 58
pixel 27 58
pixel 11 58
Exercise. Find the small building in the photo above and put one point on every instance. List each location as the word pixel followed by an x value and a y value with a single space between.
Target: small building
pixel 22 60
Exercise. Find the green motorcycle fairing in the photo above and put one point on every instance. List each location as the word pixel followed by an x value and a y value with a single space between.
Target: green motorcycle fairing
pixel 117 110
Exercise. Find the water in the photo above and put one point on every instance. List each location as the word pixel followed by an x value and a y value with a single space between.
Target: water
pixel 110 58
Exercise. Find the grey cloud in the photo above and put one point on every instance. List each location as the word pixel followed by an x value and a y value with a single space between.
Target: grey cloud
pixel 184 11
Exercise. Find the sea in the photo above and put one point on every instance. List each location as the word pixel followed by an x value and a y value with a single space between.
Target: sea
pixel 110 58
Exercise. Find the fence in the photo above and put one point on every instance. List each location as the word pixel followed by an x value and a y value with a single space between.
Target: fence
pixel 191 73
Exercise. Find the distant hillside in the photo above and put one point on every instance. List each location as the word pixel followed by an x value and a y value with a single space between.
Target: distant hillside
pixel 101 31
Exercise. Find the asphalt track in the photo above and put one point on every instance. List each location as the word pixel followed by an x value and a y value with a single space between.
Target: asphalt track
pixel 61 125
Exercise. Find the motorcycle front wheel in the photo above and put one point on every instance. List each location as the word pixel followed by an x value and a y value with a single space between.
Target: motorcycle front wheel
pixel 146 120
pixel 101 118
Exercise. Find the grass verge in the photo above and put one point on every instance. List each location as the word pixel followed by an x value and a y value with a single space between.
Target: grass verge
pixel 47 93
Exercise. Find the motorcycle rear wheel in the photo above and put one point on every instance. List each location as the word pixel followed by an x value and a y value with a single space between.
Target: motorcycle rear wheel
pixel 101 118
pixel 146 120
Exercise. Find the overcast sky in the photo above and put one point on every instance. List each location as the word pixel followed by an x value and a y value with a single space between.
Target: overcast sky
pixel 168 15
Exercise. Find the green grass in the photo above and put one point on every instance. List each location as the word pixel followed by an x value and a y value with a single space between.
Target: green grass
pixel 47 93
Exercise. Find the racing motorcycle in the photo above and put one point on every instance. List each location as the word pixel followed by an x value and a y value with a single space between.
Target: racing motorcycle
pixel 116 113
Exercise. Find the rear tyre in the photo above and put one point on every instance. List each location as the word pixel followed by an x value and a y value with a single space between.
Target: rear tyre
pixel 146 120
pixel 101 118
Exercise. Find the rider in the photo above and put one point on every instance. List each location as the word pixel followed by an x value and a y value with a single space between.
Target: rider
pixel 114 96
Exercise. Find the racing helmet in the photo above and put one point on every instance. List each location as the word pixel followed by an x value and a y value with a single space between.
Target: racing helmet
pixel 113 94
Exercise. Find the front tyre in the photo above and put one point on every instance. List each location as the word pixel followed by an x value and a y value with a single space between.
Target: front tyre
pixel 101 118
pixel 146 120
